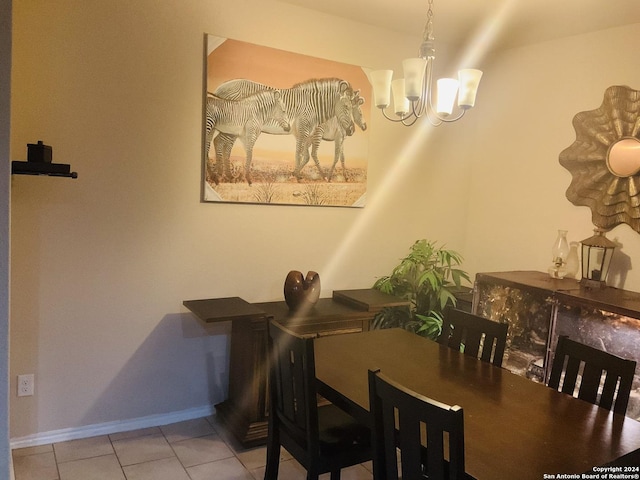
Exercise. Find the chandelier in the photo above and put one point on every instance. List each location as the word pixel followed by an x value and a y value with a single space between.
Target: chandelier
pixel 412 95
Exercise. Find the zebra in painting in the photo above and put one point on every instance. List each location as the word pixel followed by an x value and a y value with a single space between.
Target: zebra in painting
pixel 332 132
pixel 340 112
pixel 243 119
pixel 307 104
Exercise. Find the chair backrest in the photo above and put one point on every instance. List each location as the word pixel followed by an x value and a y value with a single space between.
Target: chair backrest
pixel 292 388
pixel 618 374
pixel 482 338
pixel 400 419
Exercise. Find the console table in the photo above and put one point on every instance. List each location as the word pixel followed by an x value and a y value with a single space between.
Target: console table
pixel 539 308
pixel 245 410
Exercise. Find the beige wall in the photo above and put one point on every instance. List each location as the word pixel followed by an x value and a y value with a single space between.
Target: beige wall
pixel 517 199
pixel 102 264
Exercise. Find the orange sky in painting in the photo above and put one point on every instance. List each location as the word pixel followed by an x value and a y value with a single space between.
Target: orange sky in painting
pixel 276 68
pixel 233 59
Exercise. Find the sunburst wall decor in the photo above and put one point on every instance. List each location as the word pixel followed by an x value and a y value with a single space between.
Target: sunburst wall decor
pixel 604 160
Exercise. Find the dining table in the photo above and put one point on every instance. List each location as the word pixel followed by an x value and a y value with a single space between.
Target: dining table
pixel 514 428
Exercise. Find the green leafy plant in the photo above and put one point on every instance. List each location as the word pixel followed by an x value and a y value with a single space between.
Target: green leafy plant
pixel 426 277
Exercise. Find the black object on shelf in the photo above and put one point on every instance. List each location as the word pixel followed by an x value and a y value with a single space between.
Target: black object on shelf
pixel 38 162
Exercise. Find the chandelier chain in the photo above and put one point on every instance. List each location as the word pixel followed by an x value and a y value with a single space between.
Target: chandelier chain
pixel 428 27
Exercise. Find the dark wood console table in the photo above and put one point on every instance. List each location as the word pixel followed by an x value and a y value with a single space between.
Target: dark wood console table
pixel 539 309
pixel 244 412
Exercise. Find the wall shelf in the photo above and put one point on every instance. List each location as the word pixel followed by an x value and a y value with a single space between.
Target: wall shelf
pixel 42 168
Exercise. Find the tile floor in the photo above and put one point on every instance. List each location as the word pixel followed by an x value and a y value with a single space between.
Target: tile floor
pixel 199 449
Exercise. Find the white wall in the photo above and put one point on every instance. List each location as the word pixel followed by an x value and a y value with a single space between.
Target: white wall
pixel 102 264
pixel 530 97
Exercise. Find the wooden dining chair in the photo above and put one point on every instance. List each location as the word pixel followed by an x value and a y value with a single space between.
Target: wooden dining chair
pixel 478 336
pixel 618 374
pixel 321 438
pixel 400 419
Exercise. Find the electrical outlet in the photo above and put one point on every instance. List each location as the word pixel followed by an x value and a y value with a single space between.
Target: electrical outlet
pixel 25 385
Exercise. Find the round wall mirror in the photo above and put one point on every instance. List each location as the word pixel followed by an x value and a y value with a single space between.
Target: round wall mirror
pixel 604 160
pixel 623 157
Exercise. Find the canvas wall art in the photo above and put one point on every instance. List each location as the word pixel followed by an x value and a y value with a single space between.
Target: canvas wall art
pixel 283 128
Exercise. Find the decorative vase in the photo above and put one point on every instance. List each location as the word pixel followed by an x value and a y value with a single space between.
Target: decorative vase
pixel 300 291
pixel 559 252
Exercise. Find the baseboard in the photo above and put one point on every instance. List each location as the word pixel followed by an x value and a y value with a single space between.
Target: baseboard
pixel 86 431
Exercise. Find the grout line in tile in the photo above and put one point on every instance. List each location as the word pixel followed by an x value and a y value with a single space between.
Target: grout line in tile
pixel 218 430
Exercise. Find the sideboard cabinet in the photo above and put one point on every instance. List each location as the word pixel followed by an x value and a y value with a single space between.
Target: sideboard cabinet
pixel 538 309
pixel 245 411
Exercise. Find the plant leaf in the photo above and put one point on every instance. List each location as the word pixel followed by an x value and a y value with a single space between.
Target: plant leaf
pixel 422 277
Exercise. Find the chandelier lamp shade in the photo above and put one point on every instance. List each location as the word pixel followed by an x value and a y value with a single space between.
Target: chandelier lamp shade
pixel 413 94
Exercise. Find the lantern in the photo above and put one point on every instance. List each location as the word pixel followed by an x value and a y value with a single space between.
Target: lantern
pixel 596 258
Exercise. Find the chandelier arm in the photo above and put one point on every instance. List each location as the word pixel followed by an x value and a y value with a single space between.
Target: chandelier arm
pixel 429 90
pixel 448 119
pixel 427 95
pixel 453 119
pixel 435 121
pixel 399 120
pixel 418 111
pixel 407 120
pixel 426 82
pixel 413 118
pixel 421 105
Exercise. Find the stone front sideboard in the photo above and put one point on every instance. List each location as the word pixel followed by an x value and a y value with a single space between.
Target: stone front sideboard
pixel 245 411
pixel 538 309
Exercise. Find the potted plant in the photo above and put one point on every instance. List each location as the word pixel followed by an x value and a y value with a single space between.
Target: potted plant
pixel 426 277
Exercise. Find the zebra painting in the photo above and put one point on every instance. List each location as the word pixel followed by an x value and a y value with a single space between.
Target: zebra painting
pixel 307 104
pixel 331 131
pixel 244 119
pixel 326 118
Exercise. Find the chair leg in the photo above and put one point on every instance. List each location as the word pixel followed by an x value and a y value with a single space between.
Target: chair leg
pixel 312 474
pixel 273 460
pixel 273 463
pixel 335 475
